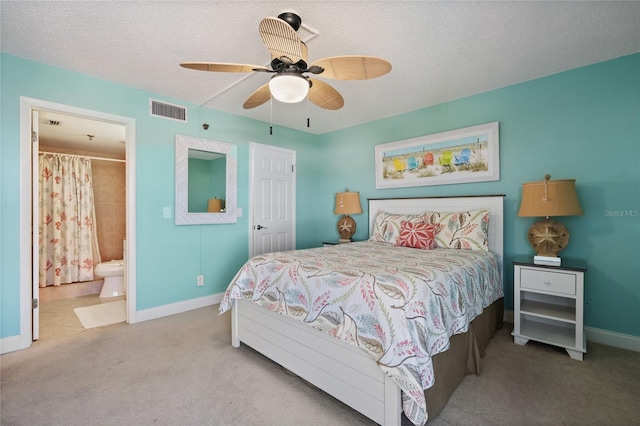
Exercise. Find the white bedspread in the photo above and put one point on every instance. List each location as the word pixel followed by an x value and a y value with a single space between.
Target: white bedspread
pixel 398 304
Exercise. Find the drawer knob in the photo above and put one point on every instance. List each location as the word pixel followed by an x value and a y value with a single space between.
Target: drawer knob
pixel 547 282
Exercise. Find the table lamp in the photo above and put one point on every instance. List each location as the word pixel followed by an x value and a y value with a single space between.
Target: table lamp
pixel 347 203
pixel 545 199
pixel 214 205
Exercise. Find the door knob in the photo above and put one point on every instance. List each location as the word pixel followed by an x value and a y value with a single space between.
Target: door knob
pixel 259 227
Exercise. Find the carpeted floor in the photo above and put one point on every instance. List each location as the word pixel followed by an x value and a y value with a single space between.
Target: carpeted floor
pixel 182 370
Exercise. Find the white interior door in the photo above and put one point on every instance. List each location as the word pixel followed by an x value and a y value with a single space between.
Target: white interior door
pixel 272 194
pixel 35 219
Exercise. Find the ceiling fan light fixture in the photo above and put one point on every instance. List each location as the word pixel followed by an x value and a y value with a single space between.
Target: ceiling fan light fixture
pixel 289 88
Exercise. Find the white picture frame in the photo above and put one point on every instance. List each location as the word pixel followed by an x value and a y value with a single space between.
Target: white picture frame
pixel 471 154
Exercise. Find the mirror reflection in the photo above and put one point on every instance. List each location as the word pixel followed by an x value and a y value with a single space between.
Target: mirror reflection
pixel 206 181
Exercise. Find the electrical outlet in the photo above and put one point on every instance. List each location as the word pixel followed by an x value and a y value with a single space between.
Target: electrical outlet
pixel 200 280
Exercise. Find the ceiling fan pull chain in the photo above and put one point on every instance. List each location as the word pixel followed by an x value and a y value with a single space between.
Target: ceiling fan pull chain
pixel 308 112
pixel 271 116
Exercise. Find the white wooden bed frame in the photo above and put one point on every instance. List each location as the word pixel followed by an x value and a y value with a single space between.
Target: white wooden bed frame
pixel 339 369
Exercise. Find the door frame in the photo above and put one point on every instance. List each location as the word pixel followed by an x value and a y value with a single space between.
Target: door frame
pixel 252 166
pixel 27 260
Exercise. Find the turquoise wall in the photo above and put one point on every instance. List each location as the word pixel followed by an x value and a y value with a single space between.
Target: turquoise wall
pixel 582 124
pixel 169 257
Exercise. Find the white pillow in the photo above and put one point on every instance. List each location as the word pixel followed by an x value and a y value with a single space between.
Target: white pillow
pixel 467 230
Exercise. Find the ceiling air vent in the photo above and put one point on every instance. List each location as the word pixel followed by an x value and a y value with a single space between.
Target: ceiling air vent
pixel 169 111
pixel 48 122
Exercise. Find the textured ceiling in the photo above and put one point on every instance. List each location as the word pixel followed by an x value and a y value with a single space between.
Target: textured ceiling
pixel 439 50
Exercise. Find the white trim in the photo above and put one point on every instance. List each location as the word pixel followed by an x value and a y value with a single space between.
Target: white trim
pixel 230 151
pixel 611 338
pixel 179 307
pixel 598 335
pixel 11 344
pixel 14 343
pixel 453 140
pixel 131 263
pixel 25 244
pixel 25 183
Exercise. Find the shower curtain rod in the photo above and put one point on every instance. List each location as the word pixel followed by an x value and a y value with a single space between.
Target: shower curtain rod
pixel 85 156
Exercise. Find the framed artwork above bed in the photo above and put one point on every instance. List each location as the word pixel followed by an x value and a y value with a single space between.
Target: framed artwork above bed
pixel 457 156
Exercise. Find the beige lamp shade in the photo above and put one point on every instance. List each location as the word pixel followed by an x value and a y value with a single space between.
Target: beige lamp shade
pixel 545 199
pixel 215 205
pixel 348 203
pixel 550 198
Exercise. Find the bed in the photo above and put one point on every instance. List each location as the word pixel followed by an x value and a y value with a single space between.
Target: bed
pixel 394 336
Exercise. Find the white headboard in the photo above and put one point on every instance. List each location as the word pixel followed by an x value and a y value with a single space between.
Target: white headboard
pixel 448 204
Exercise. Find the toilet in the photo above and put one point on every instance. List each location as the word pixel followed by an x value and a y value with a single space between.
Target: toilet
pixel 113 274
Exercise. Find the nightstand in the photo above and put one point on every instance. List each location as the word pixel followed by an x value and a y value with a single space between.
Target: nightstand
pixel 549 304
pixel 334 243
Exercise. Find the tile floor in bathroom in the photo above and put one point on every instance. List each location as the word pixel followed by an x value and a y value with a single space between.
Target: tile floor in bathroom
pixel 58 319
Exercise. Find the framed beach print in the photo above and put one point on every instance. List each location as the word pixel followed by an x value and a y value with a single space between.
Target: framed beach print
pixel 457 156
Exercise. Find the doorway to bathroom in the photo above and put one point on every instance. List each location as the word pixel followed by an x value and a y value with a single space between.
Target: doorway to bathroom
pixel 106 142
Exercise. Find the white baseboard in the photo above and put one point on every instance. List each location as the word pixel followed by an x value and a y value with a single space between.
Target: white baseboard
pixel 11 344
pixel 597 335
pixel 177 308
pixel 611 338
pixel 15 343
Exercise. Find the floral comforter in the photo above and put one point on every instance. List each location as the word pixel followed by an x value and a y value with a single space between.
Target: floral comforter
pixel 400 305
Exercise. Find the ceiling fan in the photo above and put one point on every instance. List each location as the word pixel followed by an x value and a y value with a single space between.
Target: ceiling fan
pixel 289 65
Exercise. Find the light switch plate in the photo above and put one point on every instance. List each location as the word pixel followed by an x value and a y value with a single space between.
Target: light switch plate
pixel 166 213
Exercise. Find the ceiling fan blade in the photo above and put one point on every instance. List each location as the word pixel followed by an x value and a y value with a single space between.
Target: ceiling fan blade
pixel 305 52
pixel 258 97
pixel 222 67
pixel 325 96
pixel 281 39
pixel 353 67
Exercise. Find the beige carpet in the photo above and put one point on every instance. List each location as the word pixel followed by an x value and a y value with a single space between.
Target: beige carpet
pixel 102 314
pixel 182 371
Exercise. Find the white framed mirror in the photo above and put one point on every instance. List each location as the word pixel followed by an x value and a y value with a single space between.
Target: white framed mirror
pixel 206 181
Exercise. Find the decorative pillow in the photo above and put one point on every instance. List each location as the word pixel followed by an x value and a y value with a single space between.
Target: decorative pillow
pixel 387 226
pixel 417 235
pixel 461 230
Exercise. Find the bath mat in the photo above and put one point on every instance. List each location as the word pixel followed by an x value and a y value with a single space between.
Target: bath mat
pixel 102 314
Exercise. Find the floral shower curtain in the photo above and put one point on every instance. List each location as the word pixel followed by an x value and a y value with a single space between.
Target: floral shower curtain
pixel 68 244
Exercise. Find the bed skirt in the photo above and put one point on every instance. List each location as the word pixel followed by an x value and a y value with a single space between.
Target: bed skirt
pixel 462 357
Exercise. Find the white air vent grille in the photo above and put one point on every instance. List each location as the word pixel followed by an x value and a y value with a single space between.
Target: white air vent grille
pixel 48 122
pixel 169 111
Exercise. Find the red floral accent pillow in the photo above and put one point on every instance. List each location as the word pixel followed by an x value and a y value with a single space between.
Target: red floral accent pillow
pixel 417 235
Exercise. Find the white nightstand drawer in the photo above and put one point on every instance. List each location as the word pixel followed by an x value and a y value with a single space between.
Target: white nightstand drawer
pixel 554 282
